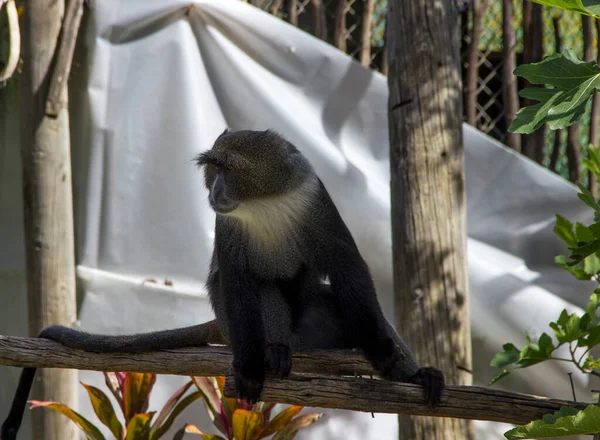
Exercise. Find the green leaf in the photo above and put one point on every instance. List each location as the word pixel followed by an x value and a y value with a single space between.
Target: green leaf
pixel 587 197
pixel 535 353
pixel 280 420
pixel 567 328
pixel 104 410
pixel 576 270
pixel 573 82
pixel 595 229
pixel 564 230
pixel 246 424
pixel 158 431
pixel 591 364
pixel 593 338
pixel 500 376
pixel 138 427
pixel 585 250
pixel 136 393
pixel 583 233
pixel 566 422
pixel 570 5
pixel 509 356
pixel 84 424
pixel 591 264
pixel 168 407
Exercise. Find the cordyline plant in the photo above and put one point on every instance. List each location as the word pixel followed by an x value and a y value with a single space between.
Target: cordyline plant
pixel 234 418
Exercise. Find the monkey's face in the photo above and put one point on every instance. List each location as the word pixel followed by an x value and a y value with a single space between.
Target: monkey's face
pixel 250 166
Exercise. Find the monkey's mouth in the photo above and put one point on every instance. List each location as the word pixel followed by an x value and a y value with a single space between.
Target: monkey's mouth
pixel 223 208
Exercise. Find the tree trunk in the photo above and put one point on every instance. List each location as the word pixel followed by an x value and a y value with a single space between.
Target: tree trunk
pixel 292 12
pixel 478 7
pixel 573 153
pixel 533 40
pixel 428 197
pixel 48 215
pixel 339 27
pixel 509 81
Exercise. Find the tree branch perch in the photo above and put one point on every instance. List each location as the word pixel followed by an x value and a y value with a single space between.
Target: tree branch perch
pixel 307 386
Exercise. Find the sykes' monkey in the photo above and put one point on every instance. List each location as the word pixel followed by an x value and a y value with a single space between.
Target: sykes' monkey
pixel 285 275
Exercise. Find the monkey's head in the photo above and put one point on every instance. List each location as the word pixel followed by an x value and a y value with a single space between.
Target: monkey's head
pixel 248 166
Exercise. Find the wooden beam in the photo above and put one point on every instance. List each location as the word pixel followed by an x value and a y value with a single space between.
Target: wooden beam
pixel 317 380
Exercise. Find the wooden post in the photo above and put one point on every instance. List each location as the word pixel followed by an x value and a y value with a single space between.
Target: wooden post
pixel 48 215
pixel 509 81
pixel 428 198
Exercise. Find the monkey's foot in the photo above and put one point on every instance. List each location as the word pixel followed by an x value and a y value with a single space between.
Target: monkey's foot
pixel 249 386
pixel 432 381
pixel 278 359
pixel 8 434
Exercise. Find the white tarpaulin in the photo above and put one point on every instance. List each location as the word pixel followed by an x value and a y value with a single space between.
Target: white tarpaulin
pixel 157 81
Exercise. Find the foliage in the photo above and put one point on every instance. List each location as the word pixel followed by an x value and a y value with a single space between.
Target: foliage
pixel 238 420
pixel 132 393
pixel 572 82
pixel 587 7
pixel 234 418
pixel 580 333
pixel 565 422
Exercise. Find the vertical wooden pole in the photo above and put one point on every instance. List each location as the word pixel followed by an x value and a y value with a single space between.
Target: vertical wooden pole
pixel 509 81
pixel 48 214
pixel 428 198
pixel 478 7
pixel 365 35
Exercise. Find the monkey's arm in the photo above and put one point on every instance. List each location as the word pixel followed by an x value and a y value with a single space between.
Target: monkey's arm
pixel 241 304
pixel 277 323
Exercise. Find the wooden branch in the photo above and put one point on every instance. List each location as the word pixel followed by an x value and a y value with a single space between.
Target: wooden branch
pixel 307 386
pixel 66 48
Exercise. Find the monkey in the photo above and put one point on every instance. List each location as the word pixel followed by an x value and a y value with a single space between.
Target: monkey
pixel 285 275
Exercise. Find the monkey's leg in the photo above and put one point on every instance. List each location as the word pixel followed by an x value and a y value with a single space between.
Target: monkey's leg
pixel 353 287
pixel 277 324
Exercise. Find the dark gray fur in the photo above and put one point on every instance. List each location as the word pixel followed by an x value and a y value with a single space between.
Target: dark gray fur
pixel 278 237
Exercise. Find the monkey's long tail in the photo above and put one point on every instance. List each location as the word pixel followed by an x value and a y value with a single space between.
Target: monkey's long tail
pixel 193 336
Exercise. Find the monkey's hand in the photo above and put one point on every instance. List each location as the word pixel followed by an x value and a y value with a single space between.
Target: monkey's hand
pixel 432 381
pixel 279 359
pixel 249 380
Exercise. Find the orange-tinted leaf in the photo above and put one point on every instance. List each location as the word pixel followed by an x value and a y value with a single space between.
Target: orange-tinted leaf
pixel 104 410
pixel 230 404
pixel 136 393
pixel 208 386
pixel 168 407
pixel 84 424
pixel 281 420
pixel 158 431
pixel 292 428
pixel 138 427
pixel 191 429
pixel 246 424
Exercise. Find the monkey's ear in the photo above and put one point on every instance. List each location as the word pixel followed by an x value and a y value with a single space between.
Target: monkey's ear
pixel 227 130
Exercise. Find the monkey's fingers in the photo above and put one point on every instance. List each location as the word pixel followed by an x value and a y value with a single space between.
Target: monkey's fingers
pixel 248 387
pixel 278 359
pixel 433 383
